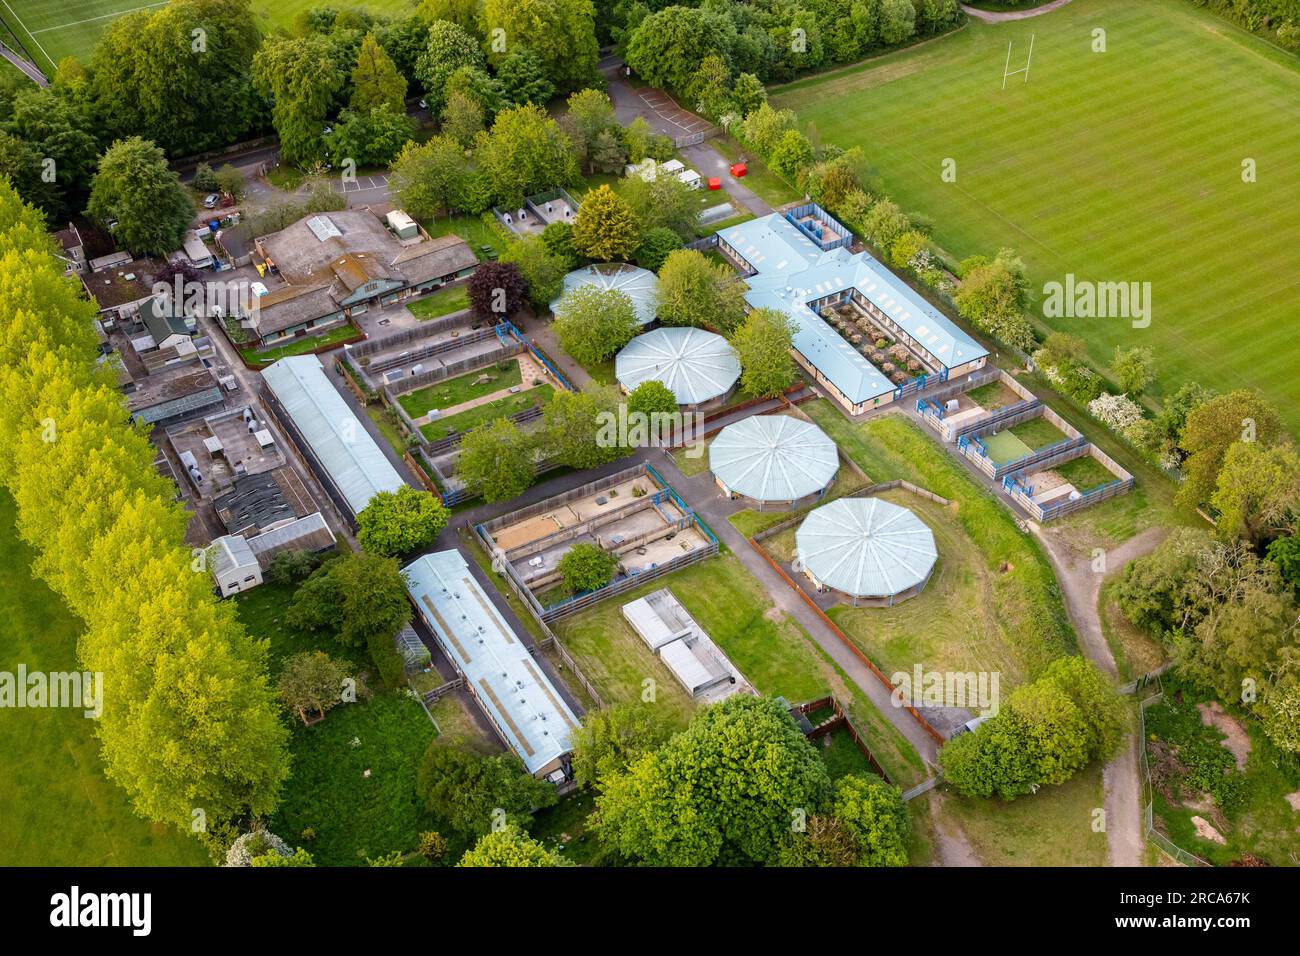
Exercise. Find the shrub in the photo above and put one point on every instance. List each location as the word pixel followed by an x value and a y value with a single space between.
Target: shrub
pixel 1117 412
pixel 587 567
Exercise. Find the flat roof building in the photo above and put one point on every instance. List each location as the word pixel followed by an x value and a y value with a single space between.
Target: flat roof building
pixel 773 461
pixel 685 648
pixel 868 549
pixel 799 262
pixel 699 367
pixel 353 467
pixel 524 706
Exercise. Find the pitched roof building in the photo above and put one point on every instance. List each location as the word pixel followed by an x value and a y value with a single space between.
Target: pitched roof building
pixel 798 262
pixel 338 264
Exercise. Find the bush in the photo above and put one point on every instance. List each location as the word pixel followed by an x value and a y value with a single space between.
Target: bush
pixel 292 567
pixel 587 567
pixel 1117 412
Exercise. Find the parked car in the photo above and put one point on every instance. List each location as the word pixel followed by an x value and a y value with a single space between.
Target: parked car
pixel 968 727
pixel 210 202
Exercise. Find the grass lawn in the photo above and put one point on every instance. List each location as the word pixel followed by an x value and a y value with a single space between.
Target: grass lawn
pixel 353 816
pixel 473 230
pixel 445 301
pixel 993 396
pixel 300 345
pixel 53 29
pixel 766 184
pixel 489 411
pixel 57 806
pixel 1052 827
pixel 1018 621
pixel 1250 809
pixel 1085 473
pixel 462 388
pixel 380 415
pixel 841 755
pixel 1037 433
pixel 770 649
pixel 1157 206
pixel 285 178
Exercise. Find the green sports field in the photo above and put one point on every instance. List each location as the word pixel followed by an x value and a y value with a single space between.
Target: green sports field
pixel 1117 166
pixel 52 29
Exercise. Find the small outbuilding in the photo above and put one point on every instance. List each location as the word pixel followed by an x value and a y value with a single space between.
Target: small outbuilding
pixel 773 462
pixel 871 551
pixel 234 566
pixel 700 368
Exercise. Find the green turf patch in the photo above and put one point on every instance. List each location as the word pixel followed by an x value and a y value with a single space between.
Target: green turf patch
pixel 1055 168
pixel 484 240
pixel 445 301
pixel 1085 473
pixel 487 412
pixel 766 184
pixel 1037 433
pixel 463 388
pixel 299 346
pixel 1005 446
pixel 57 806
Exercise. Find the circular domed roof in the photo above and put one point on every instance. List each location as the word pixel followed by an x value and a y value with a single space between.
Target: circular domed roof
pixel 773 458
pixel 639 285
pixel 694 364
pixel 866 547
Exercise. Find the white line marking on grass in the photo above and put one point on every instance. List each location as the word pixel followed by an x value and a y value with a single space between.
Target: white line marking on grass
pixel 104 16
pixel 22 26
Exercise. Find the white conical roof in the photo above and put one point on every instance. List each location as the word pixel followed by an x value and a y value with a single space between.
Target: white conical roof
pixel 866 547
pixel 773 458
pixel 694 364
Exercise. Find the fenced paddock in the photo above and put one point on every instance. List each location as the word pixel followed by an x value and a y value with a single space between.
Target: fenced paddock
pixel 972 419
pixel 547 529
pixel 1058 500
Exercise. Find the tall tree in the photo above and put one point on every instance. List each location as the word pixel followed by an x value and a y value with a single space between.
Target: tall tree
pixel 179 75
pixel 496 460
pixel 522 78
pixel 303 77
pixel 1212 428
pixel 447 48
pixel 429 178
pixel 593 323
pixel 401 521
pixel 135 186
pixel 606 228
pixel 763 343
pixel 562 33
pixel 510 846
pixel 376 82
pixel 724 790
pixel 695 291
pixel 525 153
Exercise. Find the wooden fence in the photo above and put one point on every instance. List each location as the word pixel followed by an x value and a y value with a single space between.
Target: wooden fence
pixel 841 722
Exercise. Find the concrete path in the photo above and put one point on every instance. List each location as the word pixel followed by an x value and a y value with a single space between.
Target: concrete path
pixel 1001 16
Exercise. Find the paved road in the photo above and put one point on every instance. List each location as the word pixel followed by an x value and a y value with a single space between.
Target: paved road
pixel 31 72
pixel 666 117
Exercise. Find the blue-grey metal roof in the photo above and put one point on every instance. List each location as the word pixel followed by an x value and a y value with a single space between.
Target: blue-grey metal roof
pixel 791 270
pixel 773 458
pixel 695 365
pixel 639 285
pixel 522 702
pixel 866 547
pixel 341 444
